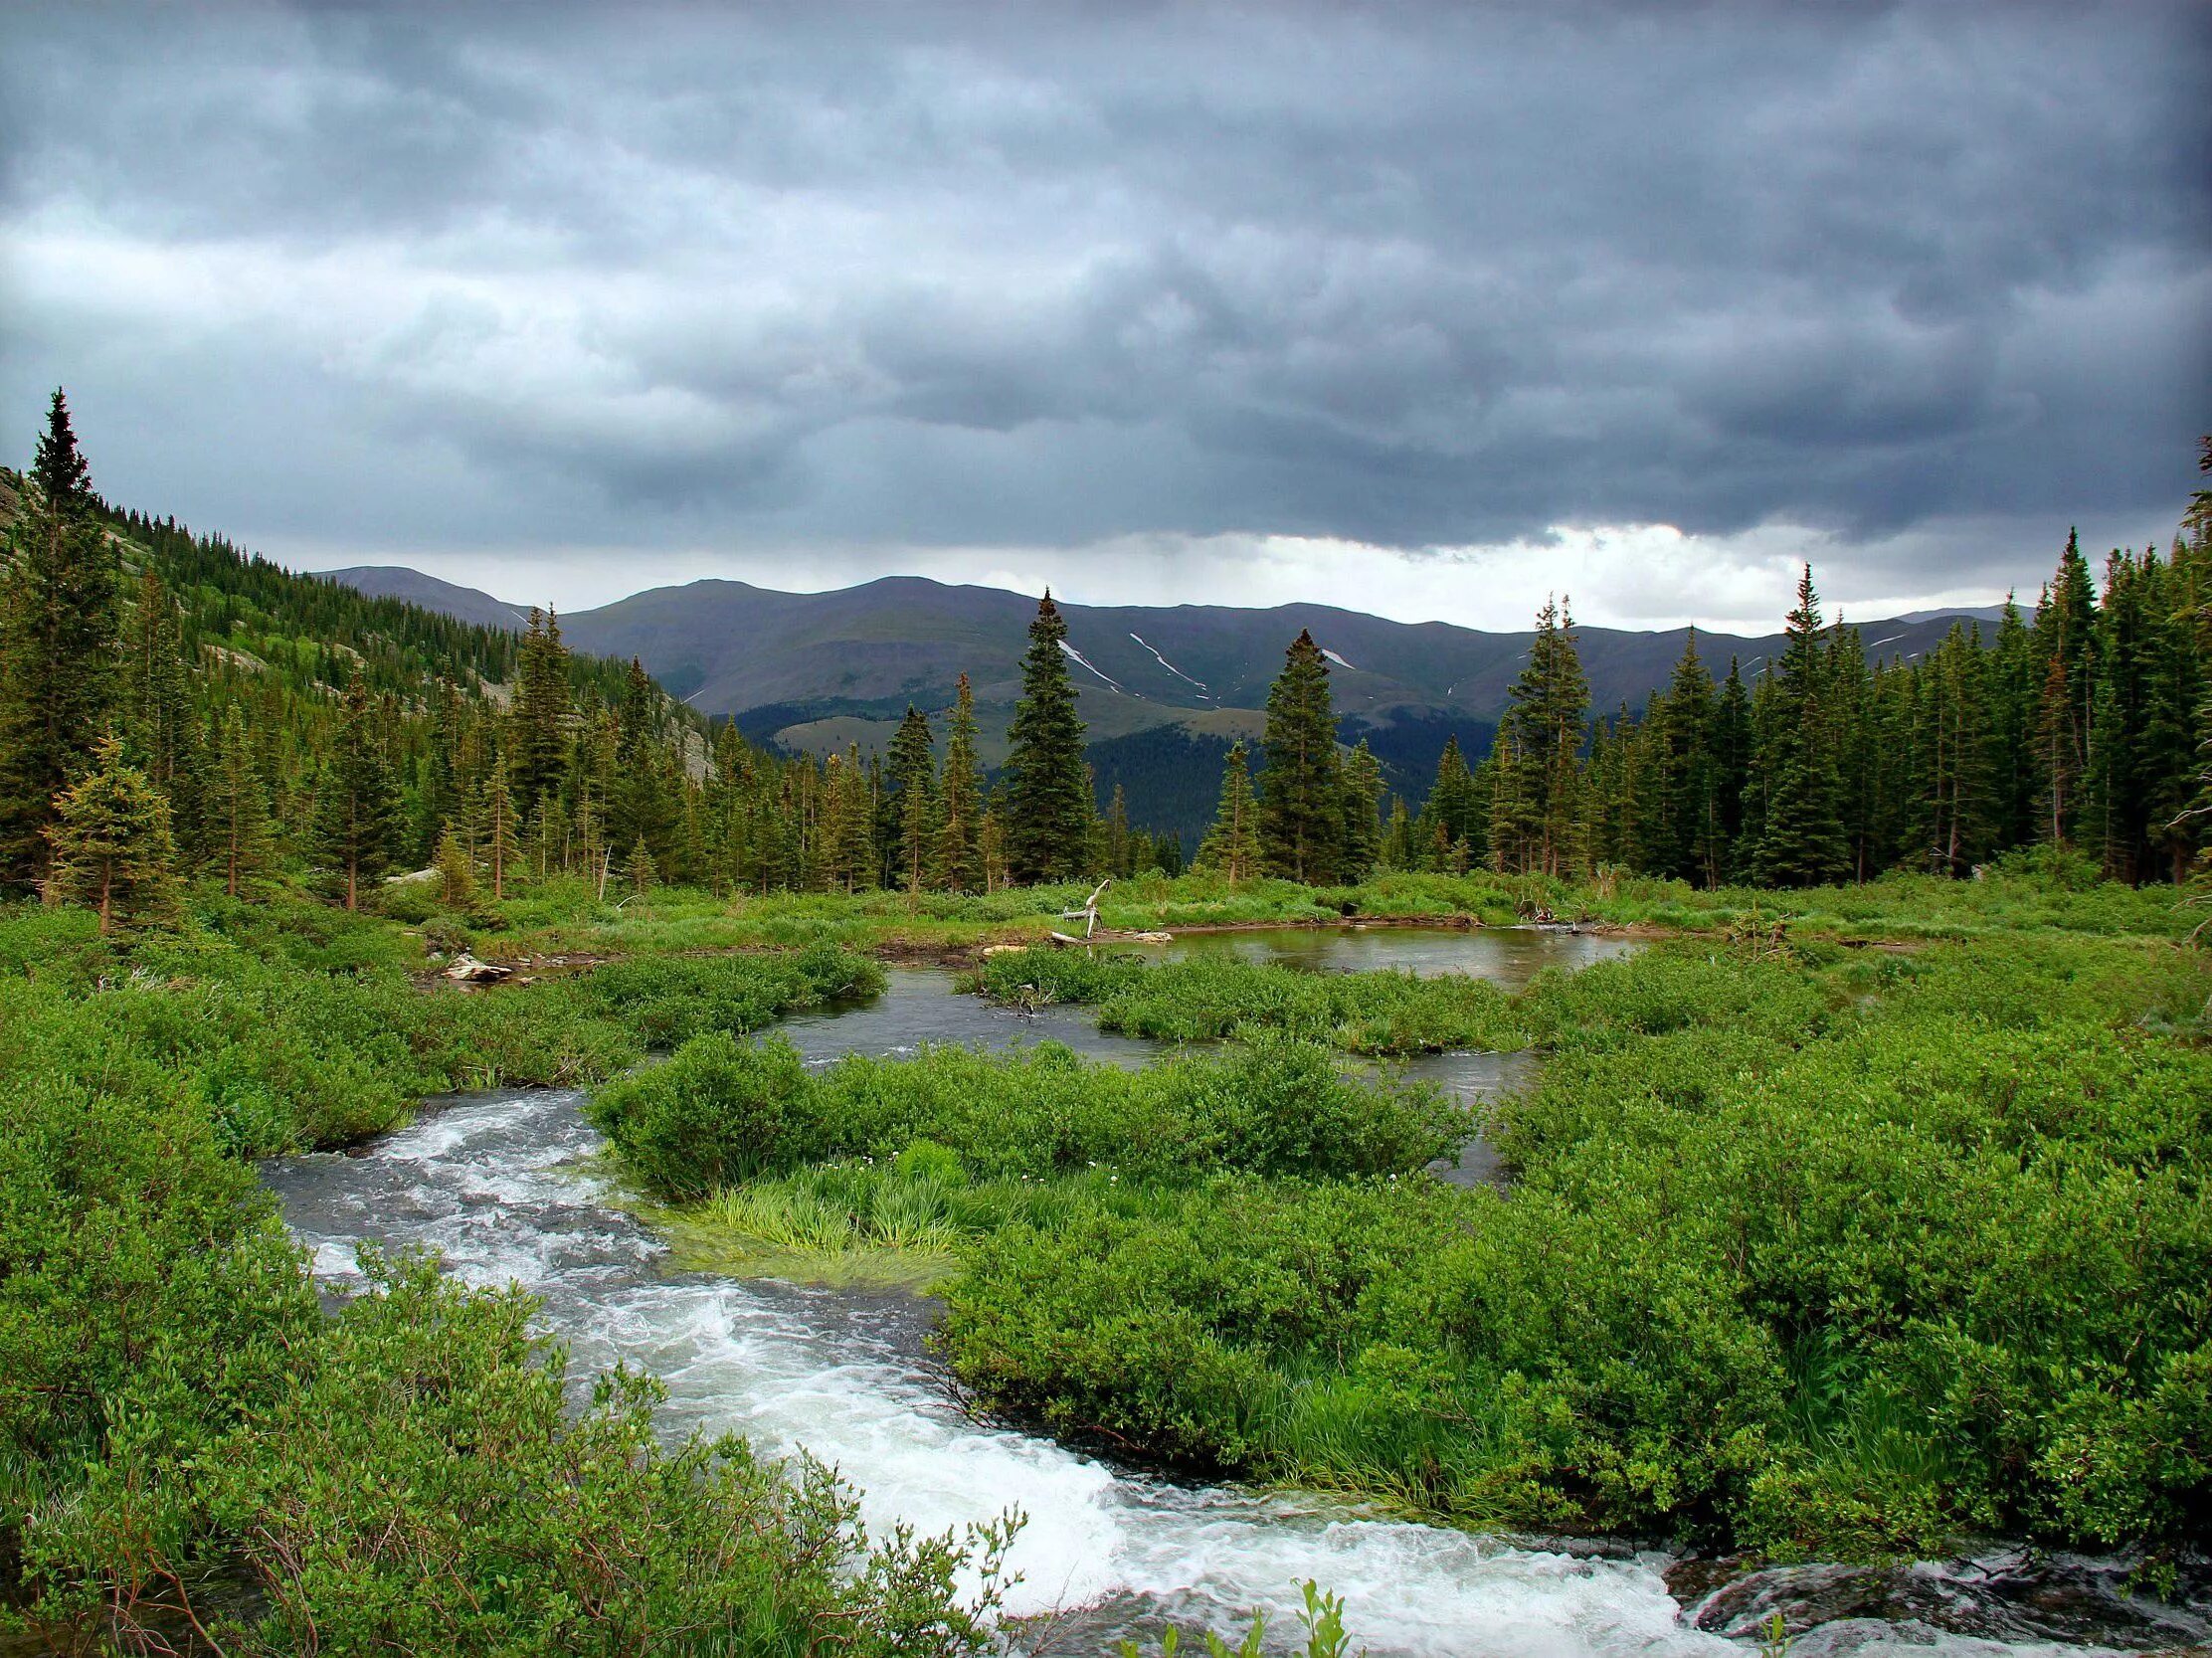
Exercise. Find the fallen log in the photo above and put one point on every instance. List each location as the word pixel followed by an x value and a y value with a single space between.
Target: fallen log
pixel 467 969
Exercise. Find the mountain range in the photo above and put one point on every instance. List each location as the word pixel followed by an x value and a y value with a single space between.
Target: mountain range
pixel 1163 689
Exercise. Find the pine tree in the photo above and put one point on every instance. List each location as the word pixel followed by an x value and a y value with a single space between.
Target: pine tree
pixel 501 829
pixel 1048 810
pixel 2065 647
pixel 1731 746
pixel 111 843
pixel 1800 833
pixel 1232 846
pixel 162 730
pixel 1544 726
pixel 1399 848
pixel 644 797
pixel 546 837
pixel 1952 820
pixel 1360 801
pixel 59 468
pixel 58 647
pixel 1301 815
pixel 542 709
pixel 2138 776
pixel 849 848
pixel 439 790
pixel 456 871
pixel 591 842
pixel 1684 832
pixel 914 838
pixel 1453 813
pixel 236 808
pixel 356 809
pixel 907 774
pixel 1167 851
pixel 637 868
pixel 960 799
pixel 2013 688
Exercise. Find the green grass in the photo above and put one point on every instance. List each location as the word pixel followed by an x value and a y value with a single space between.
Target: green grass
pixel 893 1224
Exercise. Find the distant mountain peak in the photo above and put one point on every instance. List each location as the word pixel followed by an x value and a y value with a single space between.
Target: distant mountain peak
pixel 413 587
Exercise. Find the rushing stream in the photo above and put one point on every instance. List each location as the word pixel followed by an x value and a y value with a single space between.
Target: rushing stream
pixel 499 1184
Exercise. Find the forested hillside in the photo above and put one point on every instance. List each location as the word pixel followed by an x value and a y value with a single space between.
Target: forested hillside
pixel 245 693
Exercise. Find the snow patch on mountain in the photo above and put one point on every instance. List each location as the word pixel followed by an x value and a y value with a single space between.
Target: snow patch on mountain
pixel 1080 657
pixel 1169 666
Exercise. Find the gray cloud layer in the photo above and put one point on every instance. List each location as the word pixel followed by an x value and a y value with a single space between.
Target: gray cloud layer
pixel 1041 277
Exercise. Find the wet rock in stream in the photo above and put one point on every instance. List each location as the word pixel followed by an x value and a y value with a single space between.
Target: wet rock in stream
pixel 2010 1595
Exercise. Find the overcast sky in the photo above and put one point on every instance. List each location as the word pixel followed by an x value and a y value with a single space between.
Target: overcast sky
pixel 1417 310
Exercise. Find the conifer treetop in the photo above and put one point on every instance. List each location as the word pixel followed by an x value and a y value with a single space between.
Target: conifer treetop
pixel 59 468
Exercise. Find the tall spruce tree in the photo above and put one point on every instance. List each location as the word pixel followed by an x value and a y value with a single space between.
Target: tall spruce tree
pixel 2140 756
pixel 58 646
pixel 1542 736
pixel 1952 819
pixel 357 809
pixel 1732 774
pixel 848 862
pixel 159 721
pixel 1301 812
pixel 538 746
pixel 956 865
pixel 58 467
pixel 1681 832
pixel 1050 810
pixel 502 829
pixel 1232 846
pixel 2065 650
pixel 1451 826
pixel 1360 803
pixel 1800 830
pixel 908 774
pixel 238 835
pixel 2012 691
pixel 645 795
pixel 1844 697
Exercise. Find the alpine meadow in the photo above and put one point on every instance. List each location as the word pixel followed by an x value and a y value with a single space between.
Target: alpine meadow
pixel 1051 995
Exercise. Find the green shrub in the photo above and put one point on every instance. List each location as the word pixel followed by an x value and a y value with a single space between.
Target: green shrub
pixel 716 1112
pixel 719 1112
pixel 421 1486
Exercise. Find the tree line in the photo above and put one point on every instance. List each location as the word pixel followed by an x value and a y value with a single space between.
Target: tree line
pixel 2086 727
pixel 170 707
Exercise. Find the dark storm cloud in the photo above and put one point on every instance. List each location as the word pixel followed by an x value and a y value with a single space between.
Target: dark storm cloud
pixel 1040 277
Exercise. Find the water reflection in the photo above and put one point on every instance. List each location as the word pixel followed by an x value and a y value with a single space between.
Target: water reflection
pixel 1507 956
